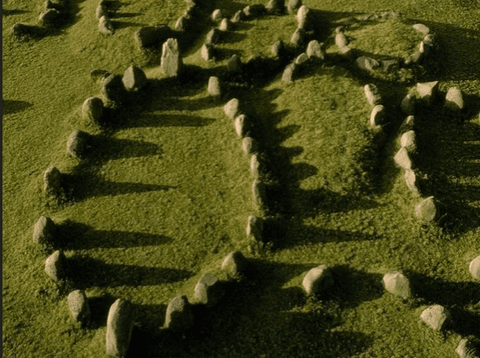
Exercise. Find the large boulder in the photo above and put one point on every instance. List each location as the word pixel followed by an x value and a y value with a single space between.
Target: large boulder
pixel 474 267
pixel 254 10
pixel 318 280
pixel 52 178
pixel 232 108
pixel 171 61
pixel 44 231
pixel 454 99
pixel 372 94
pixel 119 328
pixel 255 227
pixel 50 17
pixel 408 104
pixel 377 117
pixel 426 210
pixel 259 192
pixel 78 143
pixel 209 290
pixel 134 78
pixel 214 87
pixel 409 141
pixel 105 26
pixel 152 35
pixel 235 264
pixel 78 304
pixel 402 158
pixel 179 317
pixel 56 266
pixel 316 50
pixel 249 145
pixel 113 89
pixel 427 91
pixel 397 284
pixel 242 125
pixel 436 317
pixel 92 109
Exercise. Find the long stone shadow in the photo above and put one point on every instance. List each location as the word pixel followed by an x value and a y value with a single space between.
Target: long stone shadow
pixel 14 106
pixel 172 120
pixel 71 235
pixel 103 147
pixel 86 272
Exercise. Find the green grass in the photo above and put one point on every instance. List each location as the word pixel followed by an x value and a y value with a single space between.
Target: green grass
pixel 166 193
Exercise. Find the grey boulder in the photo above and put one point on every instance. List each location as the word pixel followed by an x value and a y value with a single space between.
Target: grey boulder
pixel 398 284
pixel 209 290
pixel 78 305
pixel 426 210
pixel 318 280
pixel 56 266
pixel 171 61
pixel 92 109
pixel 134 78
pixel 119 328
pixel 78 143
pixel 44 231
pixel 316 50
pixel 179 316
pixel 436 317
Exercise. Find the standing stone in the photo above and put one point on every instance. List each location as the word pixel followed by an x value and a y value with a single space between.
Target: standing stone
pixel 259 193
pixel 377 116
pixel 411 179
pixel 341 40
pixel 182 24
pixel 316 50
pixel 179 317
pixel 408 141
pixel 255 227
pixel 213 36
pixel 92 109
pixel 367 64
pixel 289 73
pixel 278 49
pixel 421 28
pixel 426 210
pixel 474 267
pixel 56 265
pixel 276 6
pixel 372 94
pixel 317 280
pixel 242 125
pixel 152 35
pixel 207 52
pixel 119 328
pixel 427 91
pixel 397 284
pixel 232 108
pixel 408 124
pixel 113 89
pixel 403 159
pixel 171 62
pixel 249 145
pixel 234 64
pixel 78 304
pixel 436 317
pixel 254 10
pixel 50 17
pixel 209 290
pixel 238 16
pixel 294 5
pixel 134 78
pixel 78 143
pixel 304 17
pixel 225 25
pixel 44 231
pixel 467 349
pixel 298 37
pixel 454 99
pixel 217 15
pixel 255 165
pixel 105 26
pixel 235 264
pixel 214 87
pixel 301 59
pixel 52 179
pixel 101 11
pixel 408 104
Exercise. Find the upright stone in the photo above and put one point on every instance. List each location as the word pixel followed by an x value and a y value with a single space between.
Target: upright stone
pixel 179 317
pixel 44 231
pixel 254 10
pixel 426 210
pixel 217 15
pixel 278 49
pixel 56 265
pixel 317 280
pixel 134 78
pixel 301 59
pixel 52 179
pixel 294 5
pixel 255 227
pixel 454 99
pixel 113 89
pixel 316 50
pixel 408 104
pixel 377 116
pixel 214 87
pixel 276 6
pixel 397 284
pixel 411 180
pixel 92 109
pixel 341 40
pixel 207 51
pixel 402 158
pixel 304 17
pixel 101 11
pixel 234 64
pixel 249 145
pixel 238 16
pixel 171 62
pixel 79 307
pixel 225 25
pixel 408 141
pixel 259 193
pixel 232 108
pixel 213 36
pixel 474 267
pixel 298 37
pixel 78 143
pixel 372 94
pixel 427 91
pixel 467 349
pixel 289 73
pixel 119 328
pixel 255 165
pixel 182 24
pixel 242 125
pixel 209 290
pixel 235 264
pixel 436 317
pixel 105 26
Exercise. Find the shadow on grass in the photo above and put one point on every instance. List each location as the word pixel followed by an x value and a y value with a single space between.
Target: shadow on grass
pixel 86 272
pixel 99 307
pixel 9 12
pixel 172 120
pixel 13 106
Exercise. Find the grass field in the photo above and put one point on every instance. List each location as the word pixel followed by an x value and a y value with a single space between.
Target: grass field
pixel 166 192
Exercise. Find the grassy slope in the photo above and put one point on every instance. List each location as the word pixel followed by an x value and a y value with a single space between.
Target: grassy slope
pixel 156 243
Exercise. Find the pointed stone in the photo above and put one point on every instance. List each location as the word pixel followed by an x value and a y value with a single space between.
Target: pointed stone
pixel 179 317
pixel 318 280
pixel 454 99
pixel 213 36
pixel 377 117
pixel 402 158
pixel 289 73
pixel 397 284
pixel 232 108
pixel 171 61
pixel 234 64
pixel 207 52
pixel 474 267
pixel 101 11
pixel 436 317
pixel 238 16
pixel 298 37
pixel 372 94
pixel 78 305
pixel 225 25
pixel 235 264
pixel 276 6
pixel 56 265
pixel 105 26
pixel 242 125
pixel 209 290
pixel 119 328
pixel 92 109
pixel 408 104
pixel 316 50
pixel 426 210
pixel 428 91
pixel 411 179
pixel 214 87
pixel 255 227
pixel 52 179
pixel 249 145
pixel 44 231
pixel 294 5
pixel 259 193
pixel 408 141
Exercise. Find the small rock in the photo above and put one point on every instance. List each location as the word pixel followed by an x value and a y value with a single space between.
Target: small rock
pixel 367 63
pixel 134 78
pixel 278 49
pixel 213 36
pixel 234 64
pixel 255 227
pixel 276 6
pixel 256 166
pixel 242 125
pixel 294 5
pixel 436 317
pixel 408 141
pixel 209 290
pixel 298 37
pixel 304 15
pixel 225 25
pixel 411 179
pixel 403 159
pixel 235 264
pixel 217 15
pixel 475 267
pixel 421 28
pixel 179 316
pixel 101 11
pixel 408 104
pixel 53 181
pixel 44 231
pixel 92 109
pixel 78 304
pixel 214 87
pixel 207 52
pixel 426 210
pixel 397 284
pixel 372 94
pixel 148 36
pixel 171 62
pixel 341 40
pixel 316 50
pixel 105 26
pixel 113 89
pixel 377 116
pixel 254 10
pixel 454 99
pixel 467 349
pixel 50 17
pixel 78 143
pixel 427 91
pixel 232 108
pixel 249 145
pixel 55 266
pixel 119 328
pixel 182 24
pixel 317 280
pixel 238 16
pixel 301 59
pixel 289 73
pixel 259 193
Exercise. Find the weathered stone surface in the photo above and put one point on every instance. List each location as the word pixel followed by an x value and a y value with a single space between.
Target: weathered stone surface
pixel 318 280
pixel 294 5
pixel 52 179
pixel 421 28
pixel 134 78
pixel 436 317
pixel 148 36
pixel 217 15
pixel 171 61
pixel 256 166
pixel 316 50
pixel 278 49
pixel 44 231
pixel 255 226
pixel 238 16
pixel 119 328
pixel 426 210
pixel 467 349
pixel 341 40
pixel 372 94
pixel 409 141
pixel 416 57
pixel 254 10
pixel 234 64
pixel 113 89
pixel 474 267
pixel 402 158
pixel 259 193
pixel 397 284
pixel 289 73
pixel 276 6
pixel 105 26
pixel 209 290
pixel 78 143
pixel 427 91
pixel 50 17
pixel 79 307
pixel 225 25
pixel 242 125
pixel 411 180
pixel 232 108
pixel 304 16
pixel 298 37
pixel 101 11
pixel 377 116
pixel 301 59
pixel 249 145
pixel 214 87
pixel 235 264
pixel 213 36
pixel 56 265
pixel 207 52
pixel 367 64
pixel 408 104
pixel 179 316
pixel 182 24
pixel 454 99
pixel 92 109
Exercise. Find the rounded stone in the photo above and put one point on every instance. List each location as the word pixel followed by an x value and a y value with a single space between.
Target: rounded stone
pixel 294 5
pixel 55 266
pixel 44 231
pixel 255 165
pixel 235 264
pixel 213 36
pixel 316 50
pixel 426 210
pixel 78 143
pixel 78 305
pixel 209 290
pixel 474 267
pixel 402 158
pixel 179 316
pixel 225 25
pixel 377 116
pixel 298 37
pixel 289 73
pixel 278 49
pixel 408 141
pixel 341 40
pixel 421 28
pixel 242 125
pixel 301 59
pixel 317 280
pixel 436 317
pixel 171 61
pixel 249 145
pixel 214 87
pixel 411 180
pixel 232 108
pixel 427 91
pixel 52 180
pixel 234 64
pixel 397 284
pixel 255 227
pixel 303 17
pixel 105 26
pixel 372 94
pixel 113 89
pixel 467 349
pixel 119 328
pixel 134 78
pixel 92 109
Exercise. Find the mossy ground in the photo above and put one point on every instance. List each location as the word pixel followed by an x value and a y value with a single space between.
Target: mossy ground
pixel 167 193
